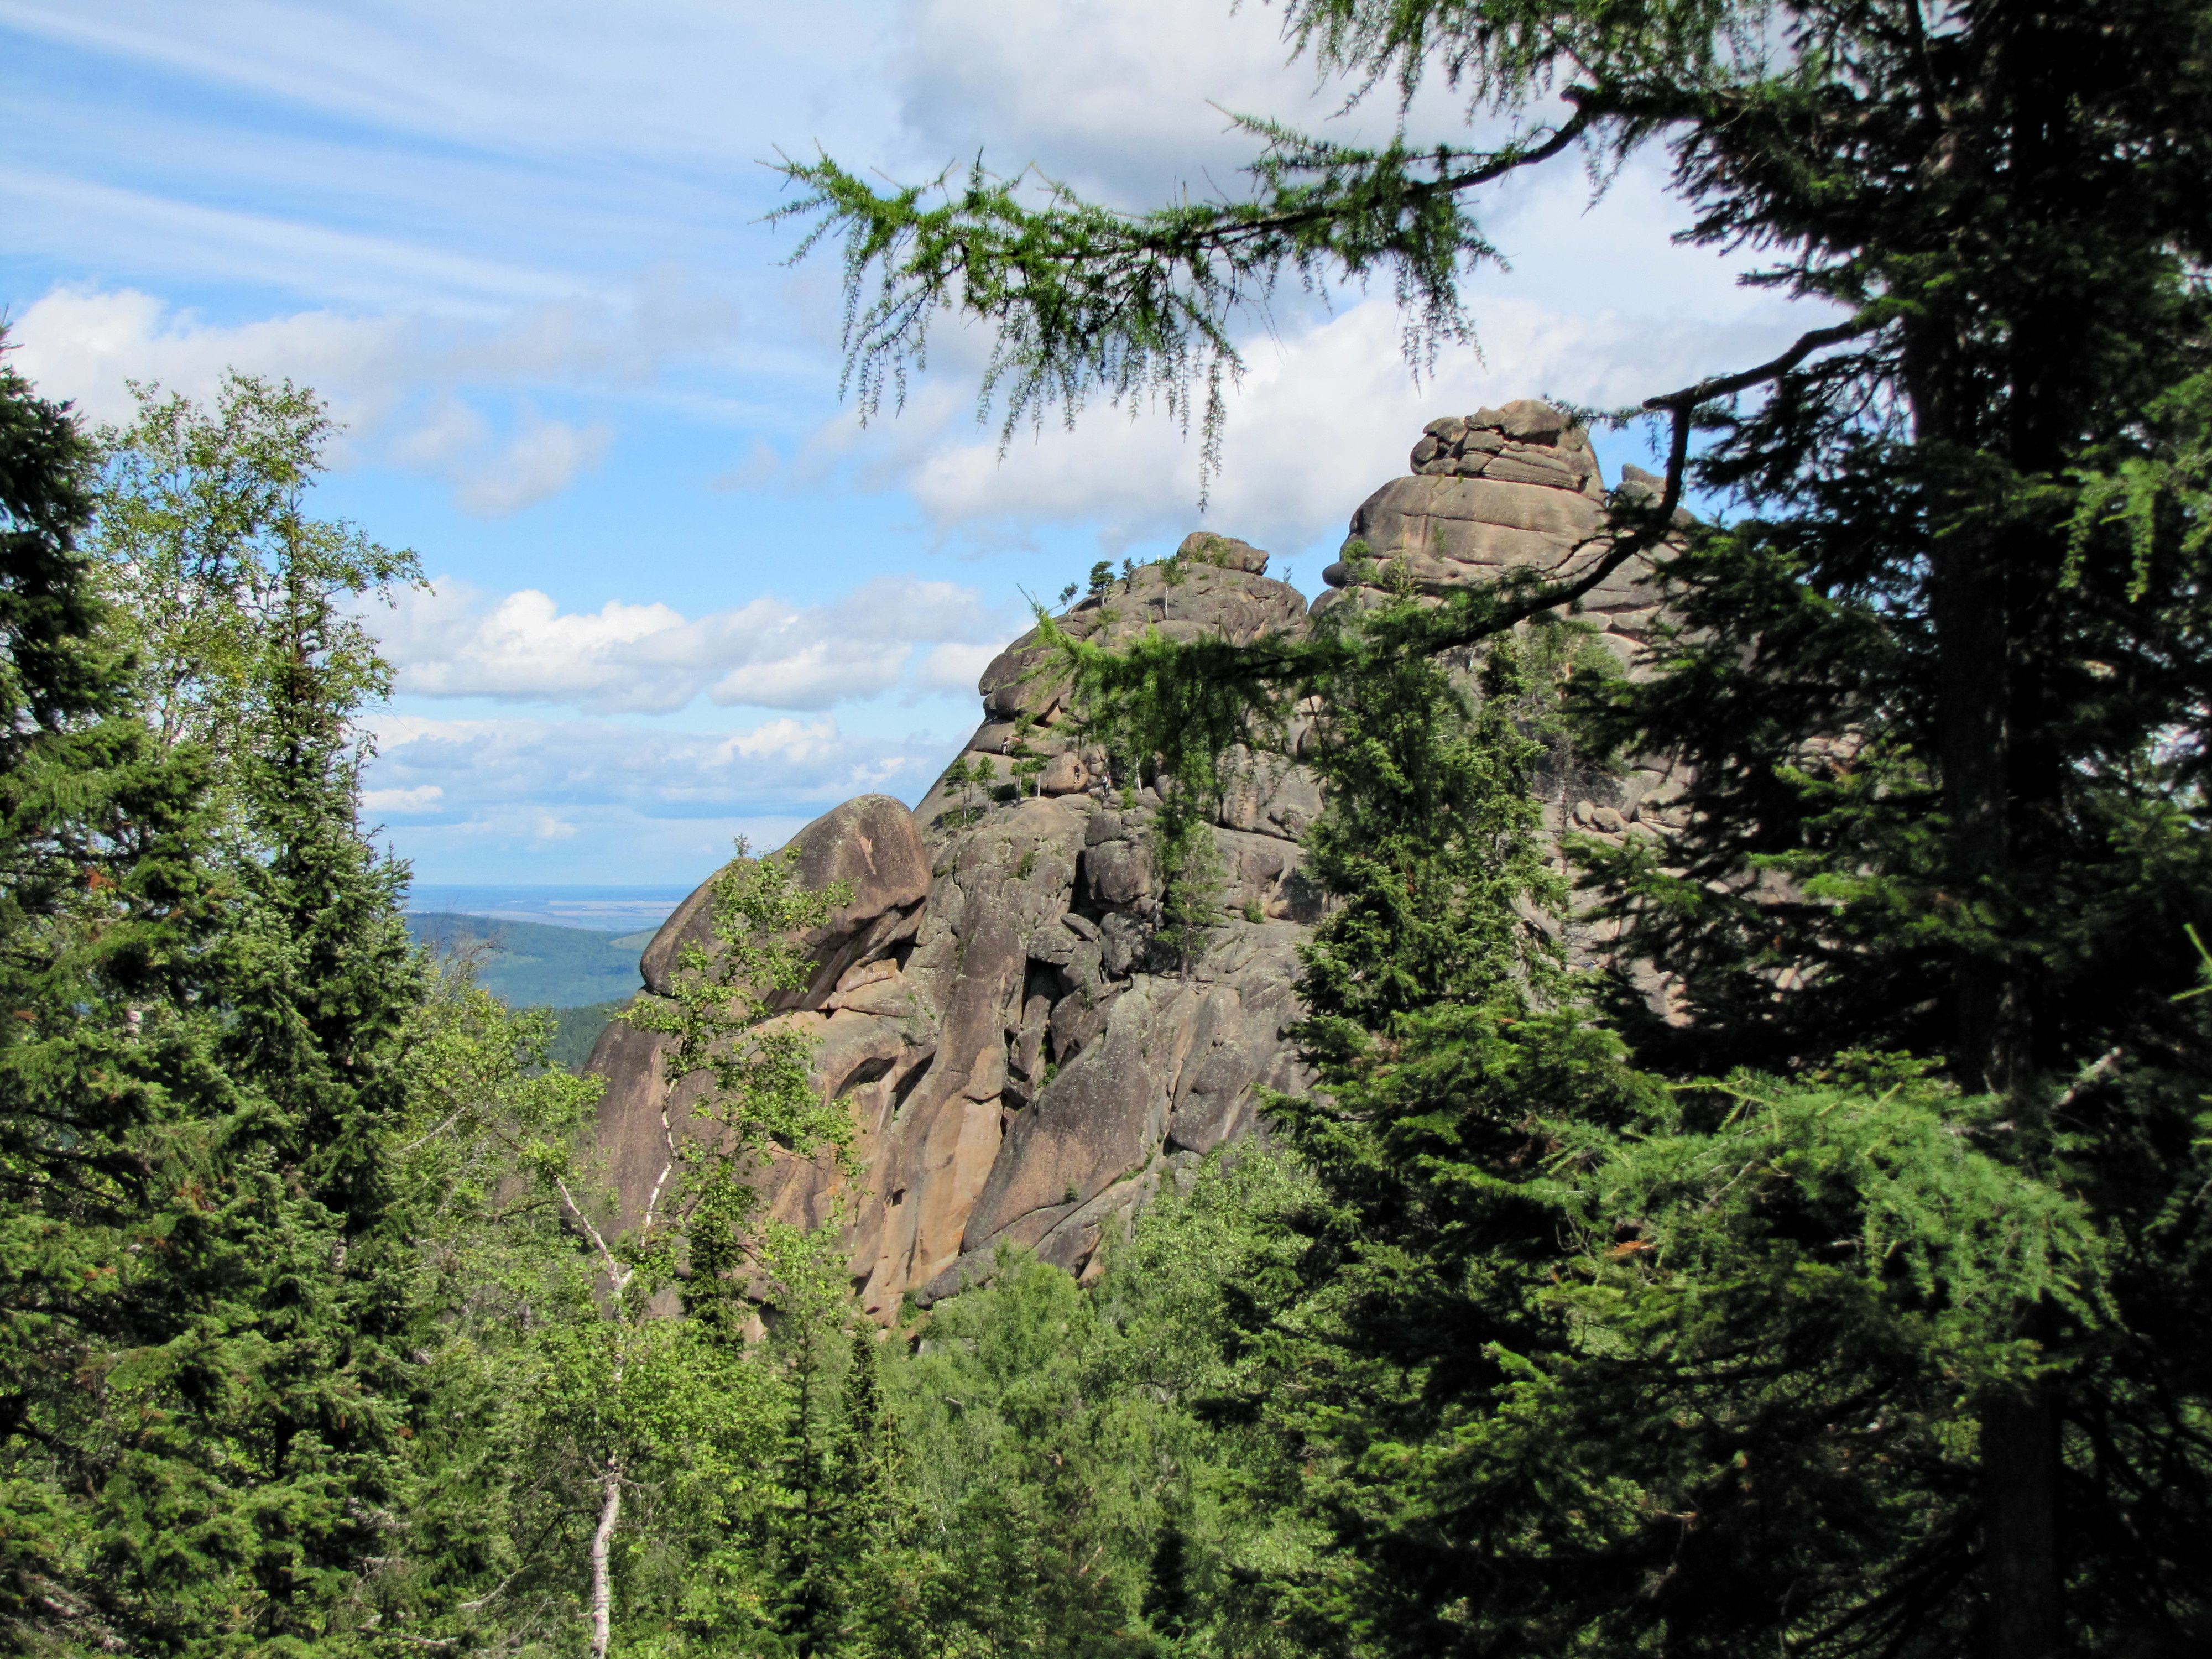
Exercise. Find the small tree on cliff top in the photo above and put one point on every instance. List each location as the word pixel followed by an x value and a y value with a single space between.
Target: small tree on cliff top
pixel 720 1011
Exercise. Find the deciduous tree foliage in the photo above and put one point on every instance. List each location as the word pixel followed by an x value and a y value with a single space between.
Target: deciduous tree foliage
pixel 206 546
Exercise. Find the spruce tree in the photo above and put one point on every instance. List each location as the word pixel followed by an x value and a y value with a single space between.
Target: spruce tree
pixel 281 1384
pixel 106 909
pixel 1577 1353
pixel 1167 1604
pixel 866 1457
pixel 211 979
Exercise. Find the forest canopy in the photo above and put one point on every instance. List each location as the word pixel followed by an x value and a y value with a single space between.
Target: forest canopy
pixel 1850 1298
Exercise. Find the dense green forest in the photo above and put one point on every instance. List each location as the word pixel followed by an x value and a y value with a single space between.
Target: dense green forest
pixel 528 964
pixel 1865 1308
pixel 581 976
pixel 577 1030
pixel 314 1337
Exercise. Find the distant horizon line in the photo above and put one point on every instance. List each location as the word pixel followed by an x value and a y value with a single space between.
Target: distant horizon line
pixel 653 889
pixel 610 907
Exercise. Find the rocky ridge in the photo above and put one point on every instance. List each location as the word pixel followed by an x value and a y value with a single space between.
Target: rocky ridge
pixel 1024 1060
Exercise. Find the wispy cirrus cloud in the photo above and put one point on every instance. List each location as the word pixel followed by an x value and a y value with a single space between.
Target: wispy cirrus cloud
pixel 425 394
pixel 646 84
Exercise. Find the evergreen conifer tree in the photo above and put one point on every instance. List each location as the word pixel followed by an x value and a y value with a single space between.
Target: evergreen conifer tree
pixel 105 912
pixel 867 1452
pixel 1167 1604
pixel 279 1385
pixel 209 1004
pixel 1944 673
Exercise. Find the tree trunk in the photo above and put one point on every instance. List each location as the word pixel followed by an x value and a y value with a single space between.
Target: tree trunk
pixel 602 1541
pixel 2019 1526
pixel 2019 1550
pixel 1974 698
pixel 1971 608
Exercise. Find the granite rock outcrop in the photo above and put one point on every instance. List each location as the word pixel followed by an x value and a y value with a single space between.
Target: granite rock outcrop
pixel 1501 488
pixel 1022 1057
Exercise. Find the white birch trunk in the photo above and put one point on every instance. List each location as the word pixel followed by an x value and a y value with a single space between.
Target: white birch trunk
pixel 618 1278
pixel 603 1604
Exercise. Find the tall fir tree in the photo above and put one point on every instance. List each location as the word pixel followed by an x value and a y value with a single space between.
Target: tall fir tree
pixel 106 912
pixel 1575 1355
pixel 212 977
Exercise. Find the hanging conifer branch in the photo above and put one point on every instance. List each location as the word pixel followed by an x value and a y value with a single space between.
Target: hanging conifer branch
pixel 1085 299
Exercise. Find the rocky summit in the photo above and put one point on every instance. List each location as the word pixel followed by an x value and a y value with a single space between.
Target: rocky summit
pixel 1024 1059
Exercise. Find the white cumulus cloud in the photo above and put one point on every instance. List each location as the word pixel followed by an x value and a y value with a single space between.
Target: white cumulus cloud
pixel 954 668
pixel 423 798
pixel 538 462
pixel 786 740
pixel 651 659
pixel 525 773
pixel 1325 416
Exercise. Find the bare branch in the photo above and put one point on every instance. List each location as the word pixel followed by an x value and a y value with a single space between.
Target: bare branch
pixel 1724 385
pixel 616 1271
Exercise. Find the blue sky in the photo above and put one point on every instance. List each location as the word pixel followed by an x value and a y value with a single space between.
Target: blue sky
pixel 681 594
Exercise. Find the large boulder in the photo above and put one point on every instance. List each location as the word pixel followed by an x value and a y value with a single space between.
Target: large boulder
pixel 1205 590
pixel 1517 488
pixel 994 1005
pixel 871 843
pixel 1025 1060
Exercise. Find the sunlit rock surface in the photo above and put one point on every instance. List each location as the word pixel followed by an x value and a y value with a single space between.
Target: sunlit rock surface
pixel 1022 1059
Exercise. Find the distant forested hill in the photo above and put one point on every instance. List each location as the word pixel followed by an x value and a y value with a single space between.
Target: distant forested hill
pixel 527 964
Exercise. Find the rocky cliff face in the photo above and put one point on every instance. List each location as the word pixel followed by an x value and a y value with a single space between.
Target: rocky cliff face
pixel 1022 1059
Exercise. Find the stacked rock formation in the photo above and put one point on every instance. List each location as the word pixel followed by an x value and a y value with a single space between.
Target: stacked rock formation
pixel 1024 1061
pixel 1491 491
